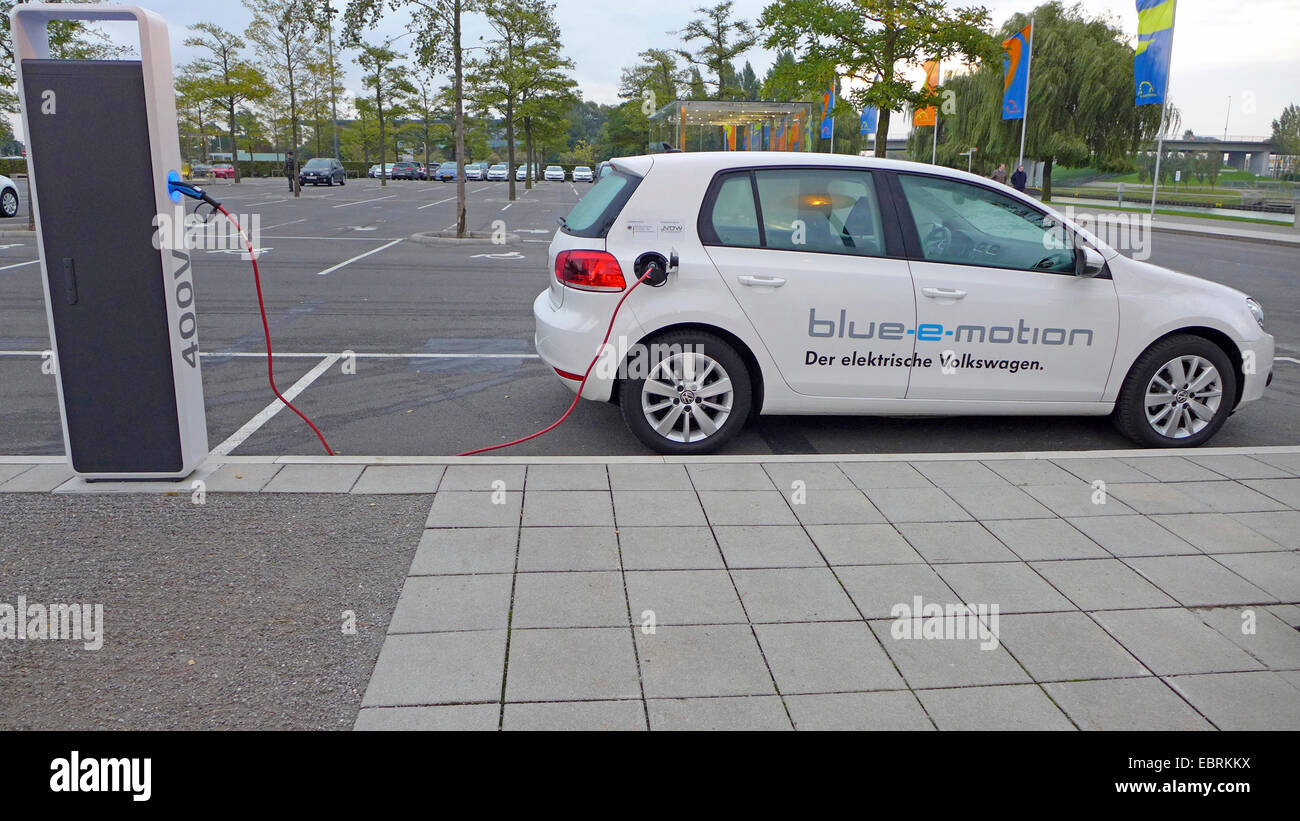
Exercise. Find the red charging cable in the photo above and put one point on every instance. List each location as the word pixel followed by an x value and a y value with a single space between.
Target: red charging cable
pixel 266 329
pixel 581 384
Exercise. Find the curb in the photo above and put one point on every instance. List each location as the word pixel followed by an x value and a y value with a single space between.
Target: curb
pixel 438 238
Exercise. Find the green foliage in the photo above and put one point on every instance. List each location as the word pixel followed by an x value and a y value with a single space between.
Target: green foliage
pixel 1286 131
pixel 722 39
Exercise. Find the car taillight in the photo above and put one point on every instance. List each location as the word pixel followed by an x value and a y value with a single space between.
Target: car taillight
pixel 589 271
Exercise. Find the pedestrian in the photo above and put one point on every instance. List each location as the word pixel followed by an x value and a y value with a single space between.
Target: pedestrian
pixel 290 169
pixel 1018 179
pixel 1001 174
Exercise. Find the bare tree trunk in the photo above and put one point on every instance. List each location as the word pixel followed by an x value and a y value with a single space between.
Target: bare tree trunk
pixel 383 147
pixel 234 144
pixel 528 153
pixel 510 144
pixel 460 123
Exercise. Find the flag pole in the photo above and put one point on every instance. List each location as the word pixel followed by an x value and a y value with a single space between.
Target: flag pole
pixel 1164 108
pixel 1024 119
pixel 934 145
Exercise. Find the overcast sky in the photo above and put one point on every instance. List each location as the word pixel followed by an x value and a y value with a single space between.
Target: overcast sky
pixel 1248 50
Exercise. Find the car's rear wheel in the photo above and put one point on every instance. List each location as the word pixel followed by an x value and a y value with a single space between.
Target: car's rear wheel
pixel 1178 393
pixel 691 394
pixel 9 203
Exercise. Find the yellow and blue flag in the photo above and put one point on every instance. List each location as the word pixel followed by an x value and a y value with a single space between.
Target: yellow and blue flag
pixel 867 122
pixel 828 103
pixel 1155 42
pixel 1015 74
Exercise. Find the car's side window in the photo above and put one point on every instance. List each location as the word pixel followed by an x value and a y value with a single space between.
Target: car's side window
pixel 734 218
pixel 820 209
pixel 957 222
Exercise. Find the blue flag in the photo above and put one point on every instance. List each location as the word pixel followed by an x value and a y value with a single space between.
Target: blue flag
pixel 767 136
pixel 828 103
pixel 1015 73
pixel 1151 58
pixel 867 122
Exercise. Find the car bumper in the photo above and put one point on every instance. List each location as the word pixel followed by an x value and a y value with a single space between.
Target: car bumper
pixel 1257 365
pixel 568 337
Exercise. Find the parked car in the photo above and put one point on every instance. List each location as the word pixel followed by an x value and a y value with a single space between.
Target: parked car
pixel 553 173
pixel 498 172
pixel 223 171
pixel 8 197
pixel 446 172
pixel 521 172
pixel 322 171
pixel 820 284
pixel 198 170
pixel 405 170
pixel 388 172
pixel 476 171
pixel 603 169
pixel 583 174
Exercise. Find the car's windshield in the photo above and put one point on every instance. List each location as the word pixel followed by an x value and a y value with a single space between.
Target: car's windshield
pixel 583 168
pixel 317 164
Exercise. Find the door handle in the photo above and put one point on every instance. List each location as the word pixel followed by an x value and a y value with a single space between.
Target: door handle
pixel 760 282
pixel 943 293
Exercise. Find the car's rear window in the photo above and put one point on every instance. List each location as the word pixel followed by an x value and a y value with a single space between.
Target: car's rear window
pixel 596 212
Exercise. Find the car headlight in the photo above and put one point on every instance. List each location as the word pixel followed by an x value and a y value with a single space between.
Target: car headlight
pixel 1256 311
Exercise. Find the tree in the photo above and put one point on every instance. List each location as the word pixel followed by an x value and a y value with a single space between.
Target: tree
pixel 226 76
pixel 1080 103
pixel 724 39
pixel 285 33
pixel 195 106
pixel 69 40
pixel 386 82
pixel 433 20
pixel 870 41
pixel 424 103
pixel 1286 131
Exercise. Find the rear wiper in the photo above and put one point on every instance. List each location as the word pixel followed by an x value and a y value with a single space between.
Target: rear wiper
pixel 563 223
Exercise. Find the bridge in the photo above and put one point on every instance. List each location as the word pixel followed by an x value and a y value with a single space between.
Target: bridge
pixel 1243 152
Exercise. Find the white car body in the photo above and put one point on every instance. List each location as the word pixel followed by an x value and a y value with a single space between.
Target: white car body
pixel 583 174
pixel 553 173
pixel 8 189
pixel 498 173
pixel 522 170
pixel 778 306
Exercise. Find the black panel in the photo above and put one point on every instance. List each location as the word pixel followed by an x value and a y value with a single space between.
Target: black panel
pixel 95 187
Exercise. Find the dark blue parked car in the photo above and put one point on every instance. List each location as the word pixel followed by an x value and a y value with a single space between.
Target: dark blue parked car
pixel 446 172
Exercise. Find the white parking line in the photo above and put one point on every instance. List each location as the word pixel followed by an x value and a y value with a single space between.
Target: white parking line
pixel 334 268
pixel 430 205
pixel 282 224
pixel 268 202
pixel 19 264
pixel 484 188
pixel 1290 359
pixel 359 202
pixel 251 426
pixel 507 206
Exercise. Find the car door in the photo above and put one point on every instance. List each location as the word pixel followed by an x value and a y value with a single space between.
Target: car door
pixel 818 269
pixel 1000 313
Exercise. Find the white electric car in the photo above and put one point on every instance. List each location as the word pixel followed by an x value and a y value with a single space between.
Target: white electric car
pixel 8 197
pixel 827 284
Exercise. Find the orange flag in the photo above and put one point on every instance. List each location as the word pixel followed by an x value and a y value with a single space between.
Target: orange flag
pixel 930 114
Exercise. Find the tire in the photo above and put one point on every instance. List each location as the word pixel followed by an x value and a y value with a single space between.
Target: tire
pixel 8 203
pixel 329 183
pixel 1198 378
pixel 672 354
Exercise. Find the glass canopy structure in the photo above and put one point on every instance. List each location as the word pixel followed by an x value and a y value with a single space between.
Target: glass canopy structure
pixel 714 125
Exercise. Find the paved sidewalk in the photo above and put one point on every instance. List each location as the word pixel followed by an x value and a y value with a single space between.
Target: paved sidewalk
pixel 1190 225
pixel 1133 590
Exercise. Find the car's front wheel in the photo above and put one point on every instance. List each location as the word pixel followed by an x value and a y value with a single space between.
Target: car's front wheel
pixel 686 393
pixel 1178 393
pixel 9 203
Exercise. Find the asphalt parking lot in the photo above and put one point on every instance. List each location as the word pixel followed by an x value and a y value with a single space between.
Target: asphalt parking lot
pixel 443 339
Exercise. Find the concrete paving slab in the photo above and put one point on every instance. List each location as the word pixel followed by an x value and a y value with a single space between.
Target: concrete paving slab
pixel 1242 701
pixel 1031 472
pixel 570 599
pixel 1286 491
pixel 746 507
pixel 986 502
pixel 1013 587
pixel 669 548
pixel 1226 496
pixel 1017 707
pixel 314 479
pixel 567 477
pixel 733 714
pixel 433 604
pixel 1044 539
pixel 451 717
pixel 241 478
pixel 445 551
pixel 793 594
pixel 942 542
pixel 657 508
pixel 893 475
pixel 677 597
pixel 1239 466
pixel 1258 632
pixel 572 664
pixel 1198 581
pixel 571 508
pixel 835 507
pixel 862 544
pixel 438 668
pixel 877 589
pixel 1174 641
pixel 1171 469
pixel 1102 584
pixel 730 477
pixel 37 479
pixel 1125 704
pixel 483 478
pixel 1065 647
pixel 575 715
pixel 399 479
pixel 1125 536
pixel 1277 574
pixel 456 508
pixel 1282 527
pixel 884 710
pixel 648 477
pixel 1216 533
pixel 812 475
pixel 1090 469
pixel 544 549
pixel 826 657
pixel 767 546
pixel 948 662
pixel 917 505
pixel 699 661
pixel 959 474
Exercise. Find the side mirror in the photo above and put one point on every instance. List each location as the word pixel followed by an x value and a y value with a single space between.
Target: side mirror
pixel 1088 262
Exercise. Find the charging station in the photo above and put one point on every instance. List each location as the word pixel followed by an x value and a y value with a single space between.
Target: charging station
pixel 120 304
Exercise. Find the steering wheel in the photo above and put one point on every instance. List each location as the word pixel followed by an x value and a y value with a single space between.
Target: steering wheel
pixel 937 241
